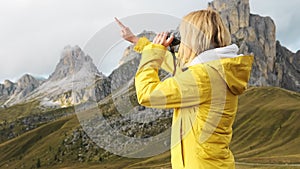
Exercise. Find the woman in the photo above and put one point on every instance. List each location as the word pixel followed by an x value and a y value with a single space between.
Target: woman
pixel 203 91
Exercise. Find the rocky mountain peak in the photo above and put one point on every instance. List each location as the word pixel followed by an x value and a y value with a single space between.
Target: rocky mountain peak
pixel 274 65
pixel 27 84
pixel 73 59
pixel 24 86
pixel 26 79
pixel 235 13
pixel 8 83
pixel 7 88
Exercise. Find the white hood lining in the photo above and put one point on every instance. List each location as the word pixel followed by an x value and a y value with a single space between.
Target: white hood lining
pixel 216 54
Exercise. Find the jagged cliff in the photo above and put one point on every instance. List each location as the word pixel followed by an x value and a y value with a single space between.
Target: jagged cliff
pixel 287 66
pixel 73 80
pixel 73 60
pixel 10 92
pixel 7 88
pixel 274 65
pixel 24 86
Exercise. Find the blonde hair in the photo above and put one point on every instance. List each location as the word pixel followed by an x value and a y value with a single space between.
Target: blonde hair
pixel 200 31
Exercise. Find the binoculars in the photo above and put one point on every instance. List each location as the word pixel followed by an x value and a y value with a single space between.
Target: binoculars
pixel 175 42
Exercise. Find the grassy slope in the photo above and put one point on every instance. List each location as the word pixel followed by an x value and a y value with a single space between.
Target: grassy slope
pixel 35 144
pixel 267 126
pixel 266 130
pixel 19 110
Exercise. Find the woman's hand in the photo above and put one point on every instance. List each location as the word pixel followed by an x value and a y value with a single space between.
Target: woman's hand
pixel 162 39
pixel 126 32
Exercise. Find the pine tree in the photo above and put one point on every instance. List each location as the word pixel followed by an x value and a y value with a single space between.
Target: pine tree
pixel 38 163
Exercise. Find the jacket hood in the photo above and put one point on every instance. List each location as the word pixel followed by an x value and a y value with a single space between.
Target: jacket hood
pixel 234 69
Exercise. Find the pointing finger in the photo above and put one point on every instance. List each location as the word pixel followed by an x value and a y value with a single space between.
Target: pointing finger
pixel 120 23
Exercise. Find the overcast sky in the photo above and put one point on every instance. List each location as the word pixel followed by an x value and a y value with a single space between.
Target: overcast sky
pixel 34 32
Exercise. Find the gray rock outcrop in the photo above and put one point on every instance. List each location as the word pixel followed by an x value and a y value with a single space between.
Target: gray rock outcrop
pixel 73 60
pixel 7 88
pixel 287 68
pixel 26 84
pixel 257 35
pixel 10 92
pixel 73 80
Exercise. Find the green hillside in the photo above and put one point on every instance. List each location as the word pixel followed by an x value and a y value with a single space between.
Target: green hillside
pixel 41 143
pixel 266 135
pixel 267 126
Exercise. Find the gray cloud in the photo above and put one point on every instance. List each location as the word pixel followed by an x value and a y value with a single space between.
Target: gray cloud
pixel 33 33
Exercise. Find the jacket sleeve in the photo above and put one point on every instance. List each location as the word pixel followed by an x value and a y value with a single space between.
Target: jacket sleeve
pixel 182 90
pixel 168 62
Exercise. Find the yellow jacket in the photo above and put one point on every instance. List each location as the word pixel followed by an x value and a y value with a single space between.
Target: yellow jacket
pixel 204 98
